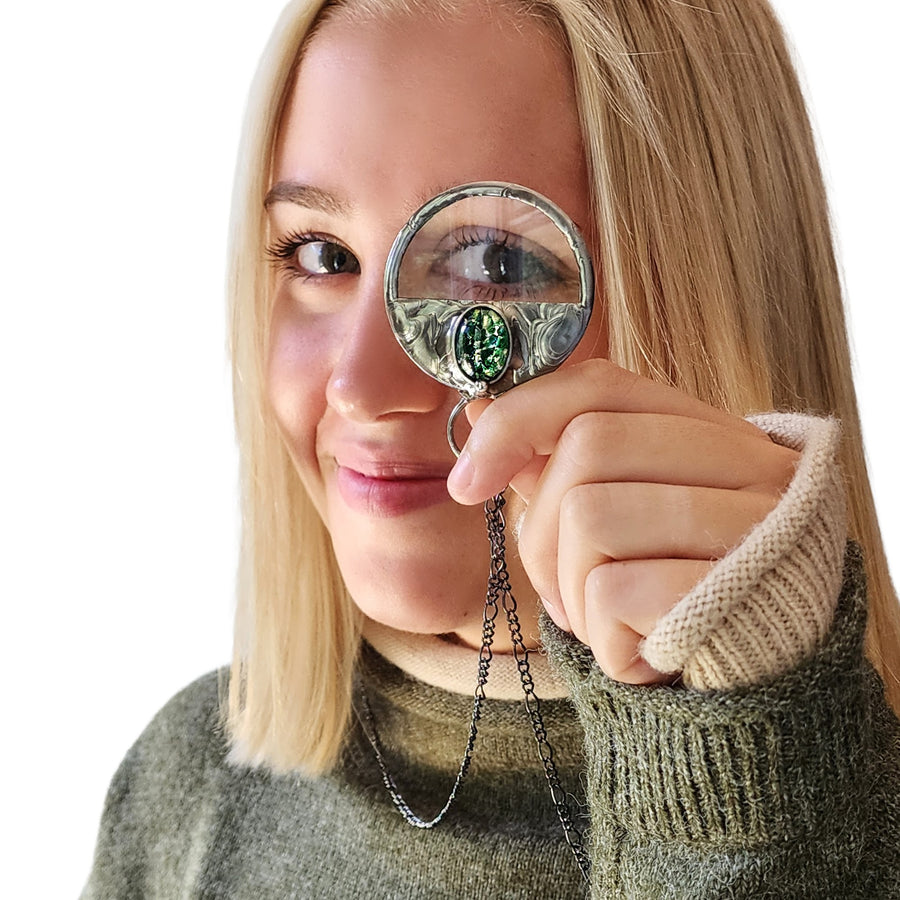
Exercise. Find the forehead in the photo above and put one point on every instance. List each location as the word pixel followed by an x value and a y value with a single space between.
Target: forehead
pixel 493 32
pixel 406 105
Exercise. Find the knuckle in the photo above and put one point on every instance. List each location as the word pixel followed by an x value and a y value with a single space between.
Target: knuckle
pixel 612 657
pixel 578 510
pixel 590 434
pixel 687 502
pixel 575 442
pixel 587 518
pixel 608 378
pixel 601 370
pixel 776 467
pixel 606 586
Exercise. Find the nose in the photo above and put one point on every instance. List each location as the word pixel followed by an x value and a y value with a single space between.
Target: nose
pixel 372 376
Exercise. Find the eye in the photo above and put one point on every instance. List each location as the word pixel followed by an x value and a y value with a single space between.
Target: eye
pixel 487 264
pixel 325 258
pixel 313 256
pixel 497 263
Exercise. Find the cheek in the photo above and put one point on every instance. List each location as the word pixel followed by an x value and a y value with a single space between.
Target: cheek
pixel 298 371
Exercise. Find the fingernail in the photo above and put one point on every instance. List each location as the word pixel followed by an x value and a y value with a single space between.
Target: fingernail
pixel 461 475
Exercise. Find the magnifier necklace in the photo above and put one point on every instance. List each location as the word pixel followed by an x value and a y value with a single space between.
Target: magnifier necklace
pixel 462 284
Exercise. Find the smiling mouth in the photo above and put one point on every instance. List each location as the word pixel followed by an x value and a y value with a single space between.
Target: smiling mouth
pixel 390 494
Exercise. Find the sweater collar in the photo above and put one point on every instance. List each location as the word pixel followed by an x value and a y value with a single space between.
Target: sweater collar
pixel 438 661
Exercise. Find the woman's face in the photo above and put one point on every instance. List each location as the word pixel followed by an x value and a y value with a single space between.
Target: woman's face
pixel 381 118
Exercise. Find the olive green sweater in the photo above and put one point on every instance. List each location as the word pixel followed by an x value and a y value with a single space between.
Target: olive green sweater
pixel 789 788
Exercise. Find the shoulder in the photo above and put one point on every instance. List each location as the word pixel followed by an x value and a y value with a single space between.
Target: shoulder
pixel 159 798
pixel 175 755
pixel 187 732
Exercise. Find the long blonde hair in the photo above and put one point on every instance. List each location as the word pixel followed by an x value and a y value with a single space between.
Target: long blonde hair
pixel 717 272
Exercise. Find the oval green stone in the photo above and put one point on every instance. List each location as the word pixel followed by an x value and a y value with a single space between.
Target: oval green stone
pixel 482 344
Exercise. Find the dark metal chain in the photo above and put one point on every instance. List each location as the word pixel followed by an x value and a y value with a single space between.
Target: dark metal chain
pixel 491 609
pixel 496 527
pixel 499 594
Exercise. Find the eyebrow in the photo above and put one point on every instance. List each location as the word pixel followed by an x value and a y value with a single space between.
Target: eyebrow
pixel 306 195
pixel 311 197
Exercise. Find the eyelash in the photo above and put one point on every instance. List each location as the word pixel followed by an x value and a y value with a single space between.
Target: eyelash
pixel 475 236
pixel 281 252
pixel 472 235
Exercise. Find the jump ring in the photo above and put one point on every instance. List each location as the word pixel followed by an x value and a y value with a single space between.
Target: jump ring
pixel 460 406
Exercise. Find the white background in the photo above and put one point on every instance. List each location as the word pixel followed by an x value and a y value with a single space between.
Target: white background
pixel 118 476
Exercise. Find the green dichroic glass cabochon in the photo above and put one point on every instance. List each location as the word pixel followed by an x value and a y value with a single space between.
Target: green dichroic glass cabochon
pixel 482 344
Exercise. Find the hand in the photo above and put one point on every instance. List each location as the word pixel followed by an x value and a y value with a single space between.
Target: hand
pixel 633 491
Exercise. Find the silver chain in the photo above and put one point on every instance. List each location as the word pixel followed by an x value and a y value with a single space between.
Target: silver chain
pixel 498 595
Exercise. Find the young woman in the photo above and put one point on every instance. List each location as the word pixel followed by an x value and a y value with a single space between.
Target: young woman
pixel 705 691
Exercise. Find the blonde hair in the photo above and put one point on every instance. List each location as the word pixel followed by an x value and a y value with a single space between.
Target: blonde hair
pixel 717 272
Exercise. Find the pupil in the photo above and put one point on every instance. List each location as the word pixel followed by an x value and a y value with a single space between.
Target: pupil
pixel 502 264
pixel 334 258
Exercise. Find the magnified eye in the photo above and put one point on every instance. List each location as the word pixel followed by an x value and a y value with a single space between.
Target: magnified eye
pixel 496 264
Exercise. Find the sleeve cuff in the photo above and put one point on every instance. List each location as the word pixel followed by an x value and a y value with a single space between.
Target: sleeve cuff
pixel 770 602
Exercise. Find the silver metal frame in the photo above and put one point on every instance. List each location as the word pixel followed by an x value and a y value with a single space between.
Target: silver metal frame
pixel 542 335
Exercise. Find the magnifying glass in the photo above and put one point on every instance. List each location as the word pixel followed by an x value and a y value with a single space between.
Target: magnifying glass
pixel 488 286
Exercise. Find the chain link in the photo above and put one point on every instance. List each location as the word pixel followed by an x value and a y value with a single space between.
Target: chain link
pixel 498 595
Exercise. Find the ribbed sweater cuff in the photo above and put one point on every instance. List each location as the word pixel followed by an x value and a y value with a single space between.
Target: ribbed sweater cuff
pixel 769 602
pixel 742 767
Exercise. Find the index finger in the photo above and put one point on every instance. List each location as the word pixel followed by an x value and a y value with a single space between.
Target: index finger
pixel 527 422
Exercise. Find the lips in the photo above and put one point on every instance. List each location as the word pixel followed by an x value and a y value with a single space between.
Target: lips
pixel 385 488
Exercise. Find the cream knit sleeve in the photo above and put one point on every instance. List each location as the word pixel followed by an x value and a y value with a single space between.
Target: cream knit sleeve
pixel 770 601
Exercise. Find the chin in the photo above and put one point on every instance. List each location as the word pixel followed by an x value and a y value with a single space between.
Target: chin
pixel 409 601
pixel 414 573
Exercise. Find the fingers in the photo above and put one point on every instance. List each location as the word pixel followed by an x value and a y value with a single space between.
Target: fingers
pixel 623 603
pixel 527 423
pixel 633 491
pixel 601 524
pixel 666 448
pixel 593 483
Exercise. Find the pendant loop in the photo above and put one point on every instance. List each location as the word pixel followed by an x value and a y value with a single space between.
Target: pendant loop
pixel 460 406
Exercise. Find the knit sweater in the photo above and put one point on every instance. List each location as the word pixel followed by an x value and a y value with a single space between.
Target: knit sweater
pixel 780 778
pixel 788 789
